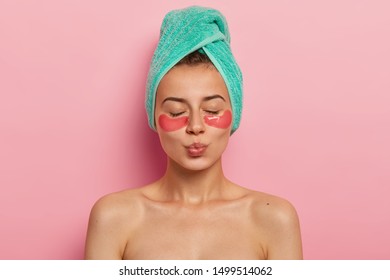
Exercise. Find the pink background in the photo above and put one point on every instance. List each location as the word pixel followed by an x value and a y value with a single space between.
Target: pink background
pixel 315 128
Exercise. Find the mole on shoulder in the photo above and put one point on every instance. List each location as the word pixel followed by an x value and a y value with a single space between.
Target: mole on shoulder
pixel 267 203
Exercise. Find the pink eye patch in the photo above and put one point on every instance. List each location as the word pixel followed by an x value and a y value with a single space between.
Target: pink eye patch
pixel 219 121
pixel 171 124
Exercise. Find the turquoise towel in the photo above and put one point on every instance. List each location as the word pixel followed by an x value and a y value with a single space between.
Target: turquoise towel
pixel 185 31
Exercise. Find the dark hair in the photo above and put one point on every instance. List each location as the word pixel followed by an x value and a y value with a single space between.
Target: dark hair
pixel 195 58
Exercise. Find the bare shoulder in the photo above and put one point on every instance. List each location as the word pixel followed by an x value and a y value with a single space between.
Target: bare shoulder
pixel 117 204
pixel 112 219
pixel 278 226
pixel 273 209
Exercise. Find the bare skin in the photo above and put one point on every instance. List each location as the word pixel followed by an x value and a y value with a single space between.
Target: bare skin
pixel 193 211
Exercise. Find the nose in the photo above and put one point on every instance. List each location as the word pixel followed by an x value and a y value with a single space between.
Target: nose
pixel 195 124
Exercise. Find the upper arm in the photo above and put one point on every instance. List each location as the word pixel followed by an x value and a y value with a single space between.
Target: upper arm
pixel 284 241
pixel 105 233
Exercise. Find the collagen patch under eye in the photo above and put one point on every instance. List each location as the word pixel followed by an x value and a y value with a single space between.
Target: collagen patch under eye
pixel 171 124
pixel 223 121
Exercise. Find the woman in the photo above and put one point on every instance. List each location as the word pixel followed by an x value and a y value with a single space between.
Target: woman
pixel 194 99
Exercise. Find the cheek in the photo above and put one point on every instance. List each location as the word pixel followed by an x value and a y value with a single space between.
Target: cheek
pixel 223 121
pixel 172 124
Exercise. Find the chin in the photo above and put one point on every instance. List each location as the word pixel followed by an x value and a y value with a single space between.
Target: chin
pixel 195 164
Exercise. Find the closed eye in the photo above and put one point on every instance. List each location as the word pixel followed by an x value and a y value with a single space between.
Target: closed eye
pixel 212 112
pixel 176 114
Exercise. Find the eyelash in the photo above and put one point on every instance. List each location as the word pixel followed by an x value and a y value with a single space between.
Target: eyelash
pixel 212 112
pixel 176 114
pixel 180 113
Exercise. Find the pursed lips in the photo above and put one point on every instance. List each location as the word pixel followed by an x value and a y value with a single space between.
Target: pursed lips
pixel 196 149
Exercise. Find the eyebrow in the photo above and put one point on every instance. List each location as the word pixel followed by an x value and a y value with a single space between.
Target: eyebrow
pixel 182 100
pixel 213 97
pixel 176 99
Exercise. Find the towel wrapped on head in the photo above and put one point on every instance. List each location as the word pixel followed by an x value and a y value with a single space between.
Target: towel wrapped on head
pixel 195 29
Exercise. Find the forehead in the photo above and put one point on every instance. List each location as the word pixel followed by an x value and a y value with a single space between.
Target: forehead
pixel 192 83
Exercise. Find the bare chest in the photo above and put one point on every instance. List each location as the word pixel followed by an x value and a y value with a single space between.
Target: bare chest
pixel 183 234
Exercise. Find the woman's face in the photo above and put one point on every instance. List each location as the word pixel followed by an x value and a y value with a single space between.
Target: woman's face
pixel 193 115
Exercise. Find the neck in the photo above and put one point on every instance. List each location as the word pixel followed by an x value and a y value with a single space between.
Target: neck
pixel 193 187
